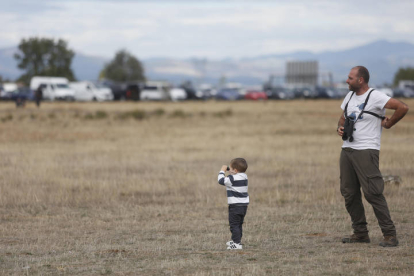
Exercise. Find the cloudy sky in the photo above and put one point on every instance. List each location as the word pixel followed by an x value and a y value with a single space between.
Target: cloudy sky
pixel 212 29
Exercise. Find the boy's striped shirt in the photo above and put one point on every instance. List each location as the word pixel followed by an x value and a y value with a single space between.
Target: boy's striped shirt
pixel 236 186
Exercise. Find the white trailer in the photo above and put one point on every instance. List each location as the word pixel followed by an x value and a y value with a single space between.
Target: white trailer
pixel 53 88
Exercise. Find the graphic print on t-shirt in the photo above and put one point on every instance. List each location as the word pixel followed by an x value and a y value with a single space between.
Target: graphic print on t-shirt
pixel 361 107
pixel 352 116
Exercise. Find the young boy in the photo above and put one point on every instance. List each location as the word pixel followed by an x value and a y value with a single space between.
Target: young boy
pixel 237 198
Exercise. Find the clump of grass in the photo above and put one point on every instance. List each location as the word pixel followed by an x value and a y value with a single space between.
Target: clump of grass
pixel 100 114
pixel 33 116
pixel 8 117
pixel 224 113
pixel 136 114
pixel 178 113
pixel 88 116
pixel 52 116
pixel 159 112
pixel 123 116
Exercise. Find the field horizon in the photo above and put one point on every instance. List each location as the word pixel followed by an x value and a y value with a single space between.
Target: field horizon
pixel 130 188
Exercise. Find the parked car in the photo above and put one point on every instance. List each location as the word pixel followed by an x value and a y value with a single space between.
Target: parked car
pixel 1 90
pixel 87 91
pixel 342 92
pixel 255 95
pixel 228 94
pixel 155 91
pixel 280 93
pixel 133 91
pixel 326 93
pixel 118 89
pixel 403 93
pixel 177 94
pixel 190 90
pixel 9 88
pixel 21 95
pixel 53 88
pixel 104 91
pixel 205 92
pixel 307 92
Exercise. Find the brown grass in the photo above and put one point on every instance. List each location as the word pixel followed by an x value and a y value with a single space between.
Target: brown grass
pixel 131 189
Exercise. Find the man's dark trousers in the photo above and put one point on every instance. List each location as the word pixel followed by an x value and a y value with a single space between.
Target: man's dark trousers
pixel 236 218
pixel 360 168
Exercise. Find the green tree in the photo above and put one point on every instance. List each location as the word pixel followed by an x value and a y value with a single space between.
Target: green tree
pixel 404 74
pixel 44 57
pixel 124 67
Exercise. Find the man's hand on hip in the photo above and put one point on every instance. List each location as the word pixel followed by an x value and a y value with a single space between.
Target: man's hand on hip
pixel 384 123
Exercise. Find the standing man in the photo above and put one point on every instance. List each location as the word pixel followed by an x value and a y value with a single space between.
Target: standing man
pixel 39 94
pixel 363 119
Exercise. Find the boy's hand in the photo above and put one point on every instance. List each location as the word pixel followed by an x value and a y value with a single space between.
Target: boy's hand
pixel 224 168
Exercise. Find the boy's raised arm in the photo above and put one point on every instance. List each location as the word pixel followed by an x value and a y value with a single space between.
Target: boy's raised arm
pixel 222 179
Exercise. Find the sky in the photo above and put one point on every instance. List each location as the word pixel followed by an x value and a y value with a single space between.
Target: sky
pixel 206 29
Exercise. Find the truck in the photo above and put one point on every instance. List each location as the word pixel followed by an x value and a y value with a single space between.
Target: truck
pixel 53 88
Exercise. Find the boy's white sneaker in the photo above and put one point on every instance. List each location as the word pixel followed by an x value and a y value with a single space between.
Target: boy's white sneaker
pixel 229 243
pixel 234 246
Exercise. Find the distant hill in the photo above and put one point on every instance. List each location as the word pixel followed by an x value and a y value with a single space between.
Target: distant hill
pixel 382 58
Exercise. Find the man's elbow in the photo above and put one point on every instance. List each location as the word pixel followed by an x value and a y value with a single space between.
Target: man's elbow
pixel 404 108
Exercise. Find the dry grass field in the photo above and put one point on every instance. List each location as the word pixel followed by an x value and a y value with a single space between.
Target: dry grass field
pixel 131 189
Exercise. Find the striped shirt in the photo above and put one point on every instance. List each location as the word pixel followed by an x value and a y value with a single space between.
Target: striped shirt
pixel 236 186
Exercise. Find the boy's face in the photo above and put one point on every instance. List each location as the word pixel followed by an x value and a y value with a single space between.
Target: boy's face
pixel 232 170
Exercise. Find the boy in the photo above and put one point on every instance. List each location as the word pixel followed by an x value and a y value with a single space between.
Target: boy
pixel 237 198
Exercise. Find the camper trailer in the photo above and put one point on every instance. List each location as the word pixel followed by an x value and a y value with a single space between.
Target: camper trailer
pixel 53 88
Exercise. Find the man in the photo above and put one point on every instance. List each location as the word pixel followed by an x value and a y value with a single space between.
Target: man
pixel 39 94
pixel 359 160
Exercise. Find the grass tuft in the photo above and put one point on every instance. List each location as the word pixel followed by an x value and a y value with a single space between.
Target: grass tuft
pixel 178 113
pixel 100 114
pixel 6 118
pixel 224 113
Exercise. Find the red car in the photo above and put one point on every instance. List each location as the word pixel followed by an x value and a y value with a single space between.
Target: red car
pixel 255 95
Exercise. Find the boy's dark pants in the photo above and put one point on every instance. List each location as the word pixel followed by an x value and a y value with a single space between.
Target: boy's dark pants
pixel 360 168
pixel 236 218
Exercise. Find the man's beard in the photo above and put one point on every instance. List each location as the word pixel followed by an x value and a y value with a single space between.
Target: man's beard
pixel 352 88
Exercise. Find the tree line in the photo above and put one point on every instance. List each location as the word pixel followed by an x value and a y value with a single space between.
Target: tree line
pixel 50 57
pixel 47 57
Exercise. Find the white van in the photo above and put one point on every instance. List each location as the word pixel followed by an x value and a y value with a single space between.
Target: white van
pixel 177 94
pixel 87 91
pixel 53 88
pixel 155 91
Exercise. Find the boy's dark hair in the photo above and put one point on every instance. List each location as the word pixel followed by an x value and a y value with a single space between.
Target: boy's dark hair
pixel 363 72
pixel 239 164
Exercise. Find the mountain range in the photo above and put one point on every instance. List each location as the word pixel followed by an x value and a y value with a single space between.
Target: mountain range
pixel 382 58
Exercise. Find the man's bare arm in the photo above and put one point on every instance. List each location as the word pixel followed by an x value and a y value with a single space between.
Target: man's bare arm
pixel 341 122
pixel 400 110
